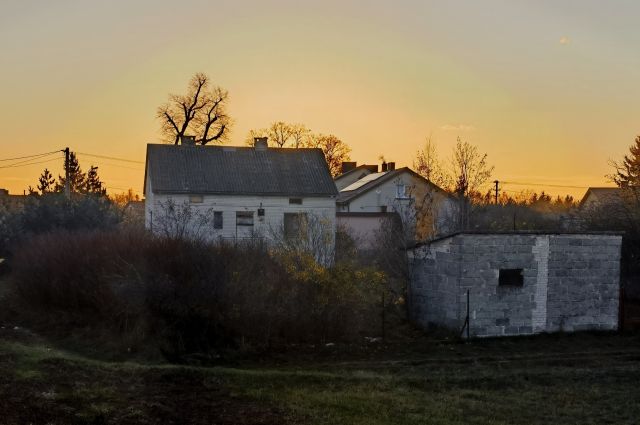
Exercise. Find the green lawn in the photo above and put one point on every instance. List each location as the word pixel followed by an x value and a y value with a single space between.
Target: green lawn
pixel 564 379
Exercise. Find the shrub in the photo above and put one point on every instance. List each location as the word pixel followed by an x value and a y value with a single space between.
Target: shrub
pixel 183 296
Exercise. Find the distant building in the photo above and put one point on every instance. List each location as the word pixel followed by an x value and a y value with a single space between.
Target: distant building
pixel 250 192
pixel 601 196
pixel 364 206
pixel 11 201
pixel 517 283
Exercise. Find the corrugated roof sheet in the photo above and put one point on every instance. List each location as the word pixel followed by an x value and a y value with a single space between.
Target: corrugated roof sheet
pixel 238 171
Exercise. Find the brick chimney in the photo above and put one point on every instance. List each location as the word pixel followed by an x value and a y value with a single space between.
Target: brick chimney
pixel 348 166
pixel 260 143
pixel 384 166
pixel 188 140
pixel 391 166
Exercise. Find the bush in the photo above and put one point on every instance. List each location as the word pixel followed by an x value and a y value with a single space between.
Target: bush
pixel 182 296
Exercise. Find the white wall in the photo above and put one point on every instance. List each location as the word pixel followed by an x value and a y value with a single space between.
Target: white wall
pixel 274 208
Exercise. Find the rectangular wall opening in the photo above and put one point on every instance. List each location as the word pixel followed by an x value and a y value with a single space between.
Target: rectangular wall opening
pixel 511 277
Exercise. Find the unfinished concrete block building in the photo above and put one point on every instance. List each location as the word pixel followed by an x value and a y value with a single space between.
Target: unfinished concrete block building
pixel 517 283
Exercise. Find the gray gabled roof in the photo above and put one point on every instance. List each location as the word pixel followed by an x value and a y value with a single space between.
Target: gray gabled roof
pixel 178 169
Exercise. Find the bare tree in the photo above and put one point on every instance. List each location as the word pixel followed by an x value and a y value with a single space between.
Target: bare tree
pixel 299 135
pixel 428 165
pixel 200 112
pixel 181 221
pixel 470 171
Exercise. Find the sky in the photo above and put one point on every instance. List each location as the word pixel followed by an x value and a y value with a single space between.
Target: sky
pixel 549 90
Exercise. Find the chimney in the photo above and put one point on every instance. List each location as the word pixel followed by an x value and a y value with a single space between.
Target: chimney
pixel 260 143
pixel 348 166
pixel 391 166
pixel 188 140
pixel 384 166
pixel 4 192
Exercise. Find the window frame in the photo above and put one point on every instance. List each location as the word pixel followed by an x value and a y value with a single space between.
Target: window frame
pixel 218 215
pixel 246 215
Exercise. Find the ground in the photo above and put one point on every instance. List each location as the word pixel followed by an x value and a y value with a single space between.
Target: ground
pixel 560 379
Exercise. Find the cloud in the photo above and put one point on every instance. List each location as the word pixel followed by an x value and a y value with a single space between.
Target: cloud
pixel 457 127
pixel 564 40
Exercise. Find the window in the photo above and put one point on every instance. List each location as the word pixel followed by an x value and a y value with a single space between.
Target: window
pixel 510 277
pixel 401 191
pixel 196 199
pixel 295 225
pixel 244 218
pixel 217 219
pixel 295 201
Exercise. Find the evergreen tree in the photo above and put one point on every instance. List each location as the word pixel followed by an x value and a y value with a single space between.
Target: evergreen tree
pixel 46 182
pixel 92 182
pixel 628 171
pixel 76 176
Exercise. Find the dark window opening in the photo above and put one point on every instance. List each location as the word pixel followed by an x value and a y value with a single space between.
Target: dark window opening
pixel 511 277
pixel 295 201
pixel 260 212
pixel 217 219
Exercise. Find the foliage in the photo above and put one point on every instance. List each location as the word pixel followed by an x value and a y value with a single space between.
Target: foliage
pixel 428 165
pixel 335 151
pixel 53 211
pixel 123 198
pixel 201 112
pixel 202 297
pixel 79 181
pixel 285 135
pixel 627 172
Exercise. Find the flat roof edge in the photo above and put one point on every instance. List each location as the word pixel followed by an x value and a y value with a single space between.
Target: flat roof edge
pixel 520 232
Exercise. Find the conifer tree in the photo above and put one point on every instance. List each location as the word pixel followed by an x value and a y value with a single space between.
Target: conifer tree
pixel 627 172
pixel 92 182
pixel 46 182
pixel 76 176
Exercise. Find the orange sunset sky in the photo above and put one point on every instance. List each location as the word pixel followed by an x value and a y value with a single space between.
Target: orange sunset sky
pixel 550 90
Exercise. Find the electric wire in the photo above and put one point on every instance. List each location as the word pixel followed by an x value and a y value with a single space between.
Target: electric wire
pixel 30 163
pixel 29 156
pixel 110 157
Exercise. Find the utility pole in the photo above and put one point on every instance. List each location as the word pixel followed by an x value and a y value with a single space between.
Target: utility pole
pixel 67 184
pixel 496 183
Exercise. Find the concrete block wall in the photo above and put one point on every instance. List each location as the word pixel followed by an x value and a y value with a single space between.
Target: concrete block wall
pixel 570 282
pixel 584 282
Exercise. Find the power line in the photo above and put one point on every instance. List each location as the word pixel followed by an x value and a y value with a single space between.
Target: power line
pixel 17 165
pixel 110 157
pixel 546 185
pixel 29 156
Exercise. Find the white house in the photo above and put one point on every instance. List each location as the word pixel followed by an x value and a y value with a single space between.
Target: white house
pixel 424 209
pixel 245 191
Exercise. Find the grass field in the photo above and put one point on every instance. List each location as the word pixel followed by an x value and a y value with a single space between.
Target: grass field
pixel 562 379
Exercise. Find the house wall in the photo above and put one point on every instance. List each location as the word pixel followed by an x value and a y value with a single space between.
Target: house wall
pixel 570 282
pixel 365 228
pixel 426 211
pixel 269 226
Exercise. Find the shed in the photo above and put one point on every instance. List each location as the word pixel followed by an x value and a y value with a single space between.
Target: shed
pixel 517 283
